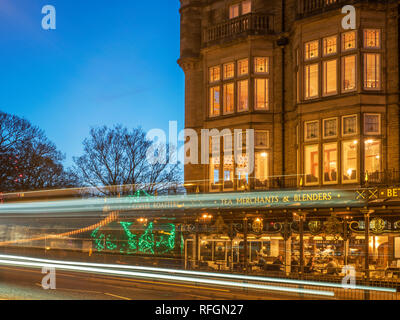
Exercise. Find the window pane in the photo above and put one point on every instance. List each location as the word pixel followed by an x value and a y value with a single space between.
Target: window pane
pixel 261 169
pixel 372 124
pixel 229 70
pixel 372 38
pixel 215 74
pixel 228 172
pixel 243 97
pixel 349 73
pixel 372 156
pixel 229 97
pixel 330 162
pixel 349 40
pixel 311 158
pixel 311 50
pixel 330 77
pixel 261 65
pixel 261 94
pixel 330 46
pixel 242 171
pixel 330 128
pixel 214 101
pixel 246 7
pixel 350 125
pixel 234 11
pixel 311 130
pixel 243 67
pixel 349 161
pixel 214 173
pixel 311 80
pixel 372 71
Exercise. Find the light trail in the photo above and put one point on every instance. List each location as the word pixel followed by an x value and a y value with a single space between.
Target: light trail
pixel 206 274
pixel 155 276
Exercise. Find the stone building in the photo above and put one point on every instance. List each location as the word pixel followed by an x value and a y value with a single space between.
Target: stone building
pixel 323 101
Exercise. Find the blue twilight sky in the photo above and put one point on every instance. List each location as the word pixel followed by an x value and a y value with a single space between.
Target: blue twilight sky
pixel 107 62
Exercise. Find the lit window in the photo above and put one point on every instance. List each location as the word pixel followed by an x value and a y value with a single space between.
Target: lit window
pixel 311 130
pixel 349 161
pixel 214 101
pixel 349 125
pixel 311 81
pixel 246 7
pixel 261 65
pixel 329 45
pixel 330 128
pixel 372 123
pixel 243 67
pixel 215 74
pixel 214 173
pixel 261 169
pixel 330 77
pixel 229 97
pixel 372 153
pixel 243 95
pixel 261 94
pixel 372 71
pixel 311 157
pixel 234 11
pixel 243 171
pixel 261 139
pixel 311 50
pixel 349 41
pixel 349 73
pixel 372 38
pixel 229 171
pixel 229 70
pixel 330 163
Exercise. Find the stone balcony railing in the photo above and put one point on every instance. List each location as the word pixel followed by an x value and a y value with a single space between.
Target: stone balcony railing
pixel 249 24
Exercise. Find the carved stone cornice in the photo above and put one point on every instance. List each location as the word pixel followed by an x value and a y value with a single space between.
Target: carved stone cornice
pixel 189 63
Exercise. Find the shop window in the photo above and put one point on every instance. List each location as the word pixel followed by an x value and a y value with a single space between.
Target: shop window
pixel 372 123
pixel 261 94
pixel 372 152
pixel 243 95
pixel 330 128
pixel 234 11
pixel 311 163
pixel 215 74
pixel 311 81
pixel 330 163
pixel 229 70
pixel 311 130
pixel 215 101
pixel 372 71
pixel 372 38
pixel 243 67
pixel 311 50
pixel 261 169
pixel 349 125
pixel 261 65
pixel 329 77
pixel 349 41
pixel 349 161
pixel 229 98
pixel 349 73
pixel 329 45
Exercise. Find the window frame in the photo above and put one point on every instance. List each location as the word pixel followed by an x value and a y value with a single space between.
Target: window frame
pixel 239 75
pixel 267 94
pixel 212 81
pixel 318 50
pixel 357 162
pixel 380 154
pixel 325 55
pixel 224 96
pixel 323 128
pixel 342 45
pixel 238 10
pixel 379 126
pixel 305 162
pixel 305 130
pixel 337 163
pixel 317 63
pixel 267 65
pixel 324 81
pixel 365 46
pixel 379 73
pixel 342 74
pixel 238 96
pixel 211 101
pixel 268 137
pixel 357 125
pixel 223 70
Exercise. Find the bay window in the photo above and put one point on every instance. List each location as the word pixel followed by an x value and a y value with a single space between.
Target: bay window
pixel 261 65
pixel 372 39
pixel 261 169
pixel 311 163
pixel 243 67
pixel 372 123
pixel 329 77
pixel 350 161
pixel 349 125
pixel 215 101
pixel 311 81
pixel 330 163
pixel 215 74
pixel 242 171
pixel 229 98
pixel 349 41
pixel 329 46
pixel 330 128
pixel 311 130
pixel 261 94
pixel 311 50
pixel 372 153
pixel 229 70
